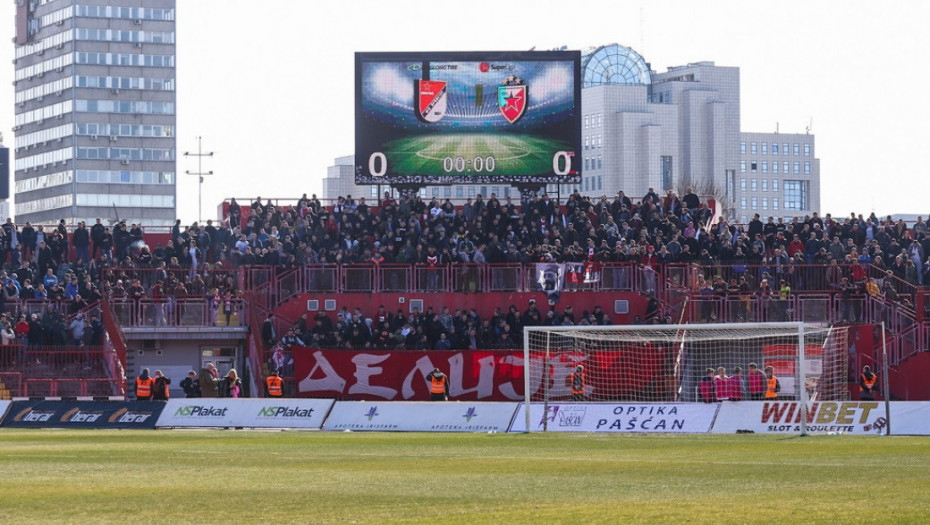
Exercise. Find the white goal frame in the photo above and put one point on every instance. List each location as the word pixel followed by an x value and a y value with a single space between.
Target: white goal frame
pixel 794 330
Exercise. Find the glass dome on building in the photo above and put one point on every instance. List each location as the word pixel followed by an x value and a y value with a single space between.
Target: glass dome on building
pixel 613 64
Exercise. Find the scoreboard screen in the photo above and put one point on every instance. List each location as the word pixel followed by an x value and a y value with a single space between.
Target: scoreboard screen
pixel 460 118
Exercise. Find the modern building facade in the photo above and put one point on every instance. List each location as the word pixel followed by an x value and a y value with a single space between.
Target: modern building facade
pixel 95 111
pixel 642 129
pixel 778 176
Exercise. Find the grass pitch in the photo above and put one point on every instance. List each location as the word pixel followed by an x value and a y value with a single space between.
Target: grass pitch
pixel 513 154
pixel 315 477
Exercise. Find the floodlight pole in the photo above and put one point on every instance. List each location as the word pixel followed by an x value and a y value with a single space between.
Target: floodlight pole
pixel 200 173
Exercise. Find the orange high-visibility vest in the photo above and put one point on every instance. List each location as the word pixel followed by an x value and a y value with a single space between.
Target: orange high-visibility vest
pixel 144 387
pixel 772 383
pixel 438 386
pixel 868 383
pixel 577 388
pixel 274 386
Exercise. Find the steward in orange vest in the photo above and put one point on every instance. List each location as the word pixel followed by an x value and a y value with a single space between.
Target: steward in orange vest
pixel 144 386
pixel 577 383
pixel 771 383
pixel 867 384
pixel 273 385
pixel 438 385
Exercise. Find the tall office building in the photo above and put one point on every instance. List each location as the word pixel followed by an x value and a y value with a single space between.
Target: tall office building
pixel 95 111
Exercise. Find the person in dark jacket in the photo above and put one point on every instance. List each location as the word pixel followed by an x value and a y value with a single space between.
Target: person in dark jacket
pixel 209 381
pixel 231 386
pixel 161 389
pixel 191 385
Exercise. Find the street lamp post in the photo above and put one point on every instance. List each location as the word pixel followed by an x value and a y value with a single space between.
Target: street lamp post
pixel 200 173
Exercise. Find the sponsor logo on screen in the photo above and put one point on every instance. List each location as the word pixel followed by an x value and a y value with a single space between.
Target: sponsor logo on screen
pixel 284 412
pixel 200 411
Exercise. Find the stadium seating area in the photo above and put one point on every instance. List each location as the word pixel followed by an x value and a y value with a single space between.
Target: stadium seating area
pixel 672 258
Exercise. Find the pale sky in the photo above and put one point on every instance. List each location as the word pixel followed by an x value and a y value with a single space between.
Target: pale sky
pixel 269 85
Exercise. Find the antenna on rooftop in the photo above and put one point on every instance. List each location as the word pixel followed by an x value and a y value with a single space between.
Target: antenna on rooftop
pixel 810 126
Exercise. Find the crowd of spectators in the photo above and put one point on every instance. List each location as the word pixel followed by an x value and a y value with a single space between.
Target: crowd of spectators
pixel 195 261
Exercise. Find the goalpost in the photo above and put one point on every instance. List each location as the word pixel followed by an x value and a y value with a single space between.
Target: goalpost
pixel 693 363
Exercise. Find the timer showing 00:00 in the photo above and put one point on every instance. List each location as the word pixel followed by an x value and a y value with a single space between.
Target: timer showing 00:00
pixel 561 164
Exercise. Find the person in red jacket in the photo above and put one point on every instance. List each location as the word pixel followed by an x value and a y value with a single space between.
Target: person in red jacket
pixel 735 385
pixel 757 383
pixel 706 387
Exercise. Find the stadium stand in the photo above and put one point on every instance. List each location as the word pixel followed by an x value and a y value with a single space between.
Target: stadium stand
pixel 669 258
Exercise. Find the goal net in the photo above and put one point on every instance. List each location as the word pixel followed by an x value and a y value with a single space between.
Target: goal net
pixel 704 363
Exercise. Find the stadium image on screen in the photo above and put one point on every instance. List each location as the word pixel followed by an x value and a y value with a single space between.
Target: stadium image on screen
pixel 459 118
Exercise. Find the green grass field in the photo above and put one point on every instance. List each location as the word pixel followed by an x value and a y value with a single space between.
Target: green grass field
pixel 513 154
pixel 314 477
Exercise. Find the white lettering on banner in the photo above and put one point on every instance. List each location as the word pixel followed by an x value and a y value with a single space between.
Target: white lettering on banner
pixel 414 416
pixel 424 367
pixel 849 417
pixel 273 413
pixel 331 381
pixel 366 376
pixel 363 373
pixel 485 386
pixel 507 389
pixel 609 417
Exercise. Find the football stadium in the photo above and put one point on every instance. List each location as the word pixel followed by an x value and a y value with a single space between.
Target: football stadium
pixel 541 347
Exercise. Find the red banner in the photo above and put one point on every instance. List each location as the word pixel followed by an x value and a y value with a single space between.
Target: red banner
pixel 475 375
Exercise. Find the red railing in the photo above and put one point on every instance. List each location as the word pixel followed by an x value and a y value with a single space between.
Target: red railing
pixel 182 312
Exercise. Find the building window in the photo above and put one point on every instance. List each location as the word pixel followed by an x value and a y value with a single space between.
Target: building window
pixel 797 167
pixel 742 166
pixel 807 150
pixel 587 121
pixel 753 147
pixel 587 163
pixel 742 148
pixel 600 162
pixel 742 203
pixel 797 149
pixel 600 141
pixel 753 185
pixel 775 203
pixel 765 185
pixel 742 184
pixel 774 148
pixel 506 192
pixel 774 184
pixel 807 168
pixel 765 166
pixel 765 203
pixel 795 195
pixel 765 148
pixel 785 169
pixel 459 192
pixel 755 203
pixel 784 148
pixel 600 182
pixel 775 166
pixel 754 166
pixel 598 119
pixel 471 191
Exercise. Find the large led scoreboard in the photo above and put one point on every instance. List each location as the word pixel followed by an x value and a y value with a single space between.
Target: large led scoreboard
pixel 475 117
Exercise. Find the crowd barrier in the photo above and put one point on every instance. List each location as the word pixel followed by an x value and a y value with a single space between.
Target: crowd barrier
pixel 82 414
pixel 775 417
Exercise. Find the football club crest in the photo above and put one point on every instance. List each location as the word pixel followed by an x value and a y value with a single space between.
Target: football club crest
pixel 511 98
pixel 432 99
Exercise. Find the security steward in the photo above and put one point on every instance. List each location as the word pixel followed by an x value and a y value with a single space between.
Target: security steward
pixel 438 385
pixel 868 383
pixel 144 386
pixel 576 381
pixel 273 385
pixel 771 382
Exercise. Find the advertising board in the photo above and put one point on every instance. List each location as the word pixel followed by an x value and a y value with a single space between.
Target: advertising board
pixel 82 414
pixel 420 416
pixel 679 418
pixel 257 413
